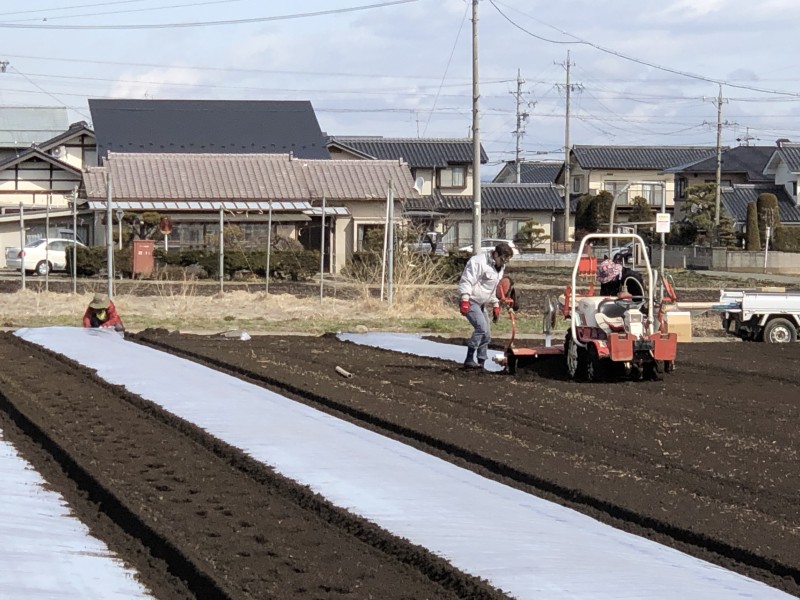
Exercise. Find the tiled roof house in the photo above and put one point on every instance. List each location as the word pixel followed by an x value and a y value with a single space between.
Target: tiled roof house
pixel 208 127
pixel 630 171
pixel 745 173
pixel 530 171
pixel 193 188
pixel 446 201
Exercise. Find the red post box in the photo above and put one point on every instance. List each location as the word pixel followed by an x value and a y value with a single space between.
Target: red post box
pixel 143 258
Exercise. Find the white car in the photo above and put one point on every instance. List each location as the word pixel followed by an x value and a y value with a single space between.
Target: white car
pixel 42 256
pixel 490 244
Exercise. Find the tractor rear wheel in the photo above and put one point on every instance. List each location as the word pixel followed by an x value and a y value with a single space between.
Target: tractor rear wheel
pixel 572 354
pixel 653 370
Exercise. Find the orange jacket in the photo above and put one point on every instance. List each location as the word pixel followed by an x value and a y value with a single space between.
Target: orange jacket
pixel 112 319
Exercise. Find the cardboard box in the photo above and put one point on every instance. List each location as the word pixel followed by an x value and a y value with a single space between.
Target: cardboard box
pixel 680 323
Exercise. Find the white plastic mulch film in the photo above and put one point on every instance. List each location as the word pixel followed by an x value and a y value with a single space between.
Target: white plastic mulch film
pixel 526 546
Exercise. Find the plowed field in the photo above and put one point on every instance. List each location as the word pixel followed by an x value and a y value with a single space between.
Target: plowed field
pixel 704 461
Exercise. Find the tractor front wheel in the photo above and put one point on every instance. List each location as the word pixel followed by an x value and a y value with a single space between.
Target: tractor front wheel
pixel 595 366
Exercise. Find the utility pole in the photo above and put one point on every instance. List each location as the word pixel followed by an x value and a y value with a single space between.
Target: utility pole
pixel 109 231
pixel 718 178
pixel 566 159
pixel 476 140
pixel 567 183
pixel 521 118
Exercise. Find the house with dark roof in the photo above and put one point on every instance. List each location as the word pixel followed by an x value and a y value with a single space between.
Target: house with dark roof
pixel 783 167
pixel 444 165
pixel 746 172
pixel 628 172
pixel 735 199
pixel 505 208
pixel 739 165
pixel 530 171
pixel 208 127
pixel 445 205
pixel 250 190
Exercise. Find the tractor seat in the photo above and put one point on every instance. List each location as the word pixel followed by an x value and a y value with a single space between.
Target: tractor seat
pixel 609 324
pixel 612 309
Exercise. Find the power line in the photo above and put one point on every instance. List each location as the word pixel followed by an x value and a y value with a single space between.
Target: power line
pixel 422 91
pixel 578 40
pixel 119 12
pixel 319 13
pixel 44 91
pixel 446 68
pixel 40 10
pixel 253 71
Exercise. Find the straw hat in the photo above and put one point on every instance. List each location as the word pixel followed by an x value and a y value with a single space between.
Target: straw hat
pixel 99 302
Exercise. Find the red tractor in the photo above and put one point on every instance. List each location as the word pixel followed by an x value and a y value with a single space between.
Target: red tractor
pixel 609 334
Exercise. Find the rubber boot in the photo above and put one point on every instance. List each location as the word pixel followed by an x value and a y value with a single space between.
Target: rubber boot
pixel 470 363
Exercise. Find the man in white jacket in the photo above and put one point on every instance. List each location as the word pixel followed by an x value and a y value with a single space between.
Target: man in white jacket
pixel 477 288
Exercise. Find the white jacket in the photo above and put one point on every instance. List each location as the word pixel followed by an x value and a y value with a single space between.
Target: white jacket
pixel 479 280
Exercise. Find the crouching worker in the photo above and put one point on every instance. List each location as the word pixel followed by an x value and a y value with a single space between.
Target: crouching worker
pixel 101 312
pixel 477 288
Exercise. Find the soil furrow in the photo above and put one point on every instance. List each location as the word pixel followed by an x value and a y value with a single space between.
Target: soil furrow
pixel 593 447
pixel 224 524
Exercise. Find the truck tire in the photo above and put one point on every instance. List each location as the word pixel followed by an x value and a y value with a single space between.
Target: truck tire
pixel 780 331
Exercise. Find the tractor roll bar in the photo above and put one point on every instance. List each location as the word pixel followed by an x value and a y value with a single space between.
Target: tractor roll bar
pixel 637 240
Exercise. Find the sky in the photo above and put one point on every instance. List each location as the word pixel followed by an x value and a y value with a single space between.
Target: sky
pixel 643 72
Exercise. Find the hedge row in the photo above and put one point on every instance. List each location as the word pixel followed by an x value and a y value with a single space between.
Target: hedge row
pixel 296 266
pixel 787 239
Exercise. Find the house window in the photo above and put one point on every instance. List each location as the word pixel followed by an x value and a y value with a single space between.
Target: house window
pixel 615 188
pixel 453 177
pixel 576 185
pixel 794 188
pixel 370 237
pixel 722 182
pixel 652 193
pixel 681 187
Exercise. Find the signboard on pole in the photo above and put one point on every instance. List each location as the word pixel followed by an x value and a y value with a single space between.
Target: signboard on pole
pixel 662 222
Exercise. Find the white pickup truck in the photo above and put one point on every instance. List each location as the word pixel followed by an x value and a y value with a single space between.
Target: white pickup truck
pixel 769 316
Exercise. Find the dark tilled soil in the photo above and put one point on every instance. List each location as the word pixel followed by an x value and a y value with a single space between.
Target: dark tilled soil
pixel 194 516
pixel 704 461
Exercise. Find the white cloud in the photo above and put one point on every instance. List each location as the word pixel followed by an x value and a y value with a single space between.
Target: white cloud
pixel 691 9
